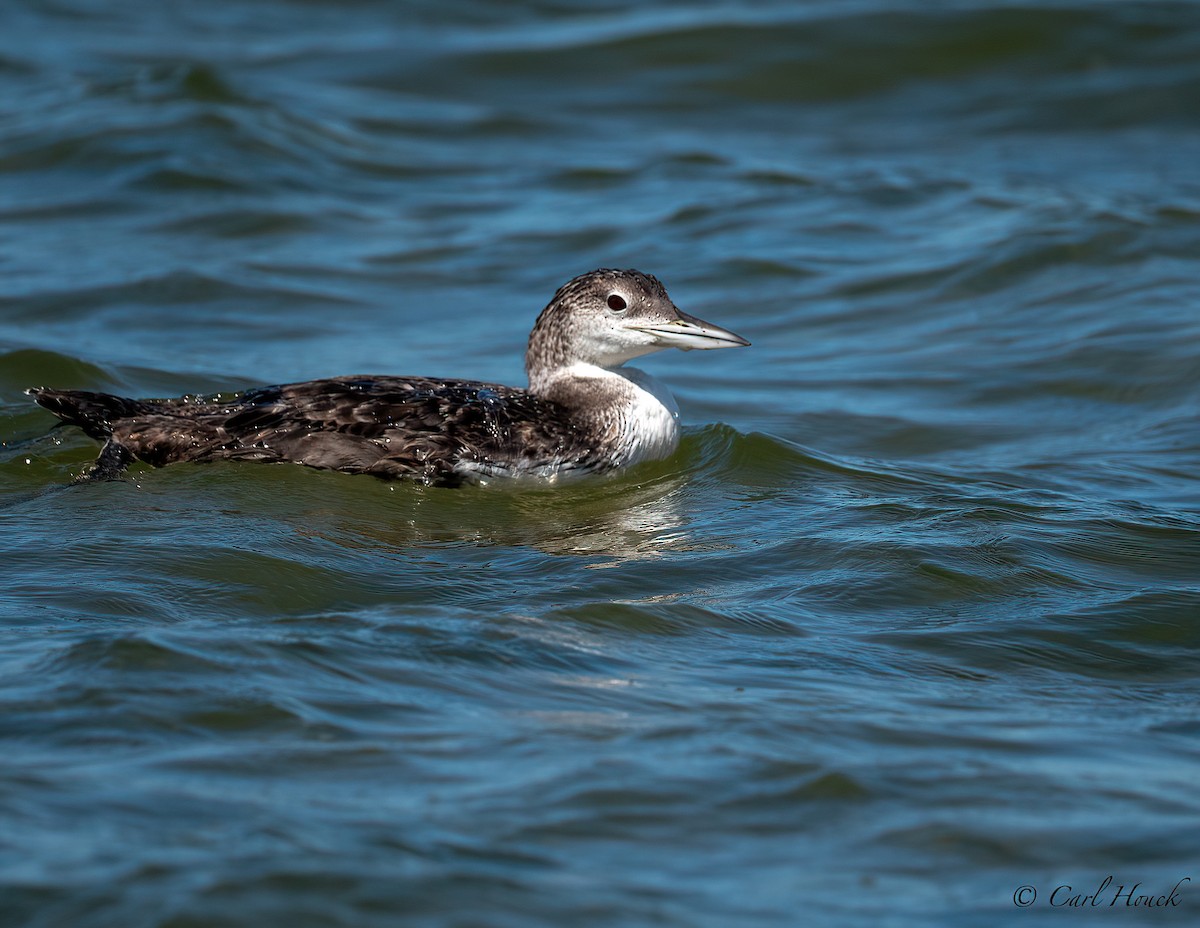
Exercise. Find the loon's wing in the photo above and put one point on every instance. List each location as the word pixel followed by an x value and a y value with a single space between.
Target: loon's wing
pixel 405 427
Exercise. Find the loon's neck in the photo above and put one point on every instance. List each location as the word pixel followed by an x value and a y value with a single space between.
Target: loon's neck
pixel 631 414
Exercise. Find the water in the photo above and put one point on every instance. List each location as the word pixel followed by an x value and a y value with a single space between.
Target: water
pixel 913 618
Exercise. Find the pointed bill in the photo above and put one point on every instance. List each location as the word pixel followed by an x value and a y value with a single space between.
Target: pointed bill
pixel 688 332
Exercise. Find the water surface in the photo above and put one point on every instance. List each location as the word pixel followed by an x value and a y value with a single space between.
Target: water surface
pixel 911 620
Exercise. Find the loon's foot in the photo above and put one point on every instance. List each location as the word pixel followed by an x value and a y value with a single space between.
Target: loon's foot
pixel 110 463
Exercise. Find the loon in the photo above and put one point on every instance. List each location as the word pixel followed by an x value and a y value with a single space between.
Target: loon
pixel 584 412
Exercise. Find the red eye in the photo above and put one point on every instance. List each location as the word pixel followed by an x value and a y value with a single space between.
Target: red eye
pixel 616 303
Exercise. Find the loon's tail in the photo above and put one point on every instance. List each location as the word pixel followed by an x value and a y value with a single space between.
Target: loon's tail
pixel 92 412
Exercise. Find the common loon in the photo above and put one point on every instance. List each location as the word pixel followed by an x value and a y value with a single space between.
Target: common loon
pixel 584 411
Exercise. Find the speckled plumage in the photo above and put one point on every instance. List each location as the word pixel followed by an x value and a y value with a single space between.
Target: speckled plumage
pixel 391 427
pixel 583 412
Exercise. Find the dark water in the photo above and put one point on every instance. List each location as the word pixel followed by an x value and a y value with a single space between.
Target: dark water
pixel 911 620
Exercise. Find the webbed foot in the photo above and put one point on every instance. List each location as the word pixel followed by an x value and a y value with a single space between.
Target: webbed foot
pixel 110 463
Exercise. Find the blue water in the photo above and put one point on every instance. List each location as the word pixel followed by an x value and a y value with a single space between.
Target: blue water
pixel 908 627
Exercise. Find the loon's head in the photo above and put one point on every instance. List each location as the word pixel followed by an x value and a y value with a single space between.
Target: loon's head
pixel 607 317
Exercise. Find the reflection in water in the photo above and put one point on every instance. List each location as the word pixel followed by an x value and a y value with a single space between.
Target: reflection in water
pixel 636 522
pixel 617 519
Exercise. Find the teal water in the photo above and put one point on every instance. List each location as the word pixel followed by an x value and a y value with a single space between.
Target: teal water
pixel 911 621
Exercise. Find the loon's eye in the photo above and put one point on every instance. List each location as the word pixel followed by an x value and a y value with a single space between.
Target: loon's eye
pixel 616 303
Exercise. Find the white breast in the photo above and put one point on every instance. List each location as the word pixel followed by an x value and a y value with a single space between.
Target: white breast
pixel 637 416
pixel 650 424
pixel 634 417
